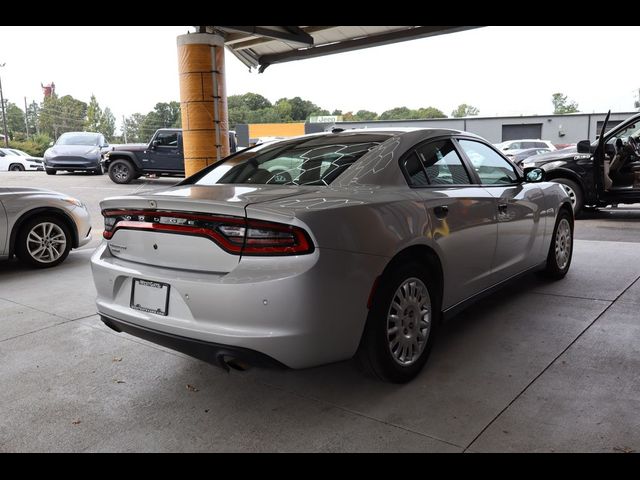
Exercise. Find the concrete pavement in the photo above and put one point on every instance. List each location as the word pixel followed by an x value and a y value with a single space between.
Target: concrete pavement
pixel 537 366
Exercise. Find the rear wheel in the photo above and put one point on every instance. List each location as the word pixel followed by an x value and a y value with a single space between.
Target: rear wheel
pixel 122 171
pixel 401 325
pixel 16 167
pixel 50 171
pixel 574 191
pixel 561 248
pixel 43 242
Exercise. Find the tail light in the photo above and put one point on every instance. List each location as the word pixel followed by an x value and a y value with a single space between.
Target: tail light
pixel 235 235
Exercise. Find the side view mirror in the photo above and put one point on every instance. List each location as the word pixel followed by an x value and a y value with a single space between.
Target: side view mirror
pixel 584 146
pixel 154 144
pixel 533 175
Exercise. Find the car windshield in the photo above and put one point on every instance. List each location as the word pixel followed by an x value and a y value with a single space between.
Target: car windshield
pixel 18 152
pixel 78 139
pixel 316 160
pixel 632 130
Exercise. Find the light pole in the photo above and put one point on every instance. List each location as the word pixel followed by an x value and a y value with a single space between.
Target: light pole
pixel 4 116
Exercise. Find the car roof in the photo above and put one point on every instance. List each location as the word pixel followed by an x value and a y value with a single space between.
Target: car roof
pixel 427 132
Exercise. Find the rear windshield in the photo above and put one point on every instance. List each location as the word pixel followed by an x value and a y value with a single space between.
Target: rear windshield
pixel 317 160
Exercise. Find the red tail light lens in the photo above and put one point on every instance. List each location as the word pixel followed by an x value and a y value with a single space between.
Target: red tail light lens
pixel 236 235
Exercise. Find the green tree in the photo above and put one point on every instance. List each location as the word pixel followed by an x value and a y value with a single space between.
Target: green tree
pixel 94 115
pixel 62 114
pixel 255 101
pixel 563 105
pixel 32 117
pixel 398 113
pixel 364 115
pixel 132 125
pixel 336 112
pixel 429 112
pixel 107 124
pixel 404 113
pixel 284 109
pixel 465 110
pixel 15 119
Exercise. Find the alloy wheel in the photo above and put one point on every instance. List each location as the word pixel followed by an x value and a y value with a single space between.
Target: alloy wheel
pixel 46 242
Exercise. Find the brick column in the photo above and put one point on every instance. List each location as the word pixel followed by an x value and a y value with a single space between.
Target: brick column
pixel 203 100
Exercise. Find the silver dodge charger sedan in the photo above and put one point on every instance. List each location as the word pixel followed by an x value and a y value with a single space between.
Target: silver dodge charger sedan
pixel 312 250
pixel 41 226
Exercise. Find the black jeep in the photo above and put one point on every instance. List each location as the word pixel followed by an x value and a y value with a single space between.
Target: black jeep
pixel 162 156
pixel 600 173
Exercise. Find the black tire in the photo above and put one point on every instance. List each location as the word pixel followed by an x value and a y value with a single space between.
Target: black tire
pixel 16 167
pixel 22 242
pixel 50 171
pixel 575 193
pixel 553 268
pixel 375 355
pixel 122 171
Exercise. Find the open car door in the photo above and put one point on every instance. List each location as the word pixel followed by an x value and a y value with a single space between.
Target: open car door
pixel 598 158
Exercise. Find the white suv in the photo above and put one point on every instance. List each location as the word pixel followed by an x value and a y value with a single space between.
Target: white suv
pixel 511 145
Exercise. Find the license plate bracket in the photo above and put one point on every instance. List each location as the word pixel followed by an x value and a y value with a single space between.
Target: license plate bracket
pixel 150 296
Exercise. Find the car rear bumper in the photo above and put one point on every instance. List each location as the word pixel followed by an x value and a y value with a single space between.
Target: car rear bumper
pixel 300 311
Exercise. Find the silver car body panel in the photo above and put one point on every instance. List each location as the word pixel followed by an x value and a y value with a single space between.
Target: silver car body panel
pixel 19 202
pixel 311 309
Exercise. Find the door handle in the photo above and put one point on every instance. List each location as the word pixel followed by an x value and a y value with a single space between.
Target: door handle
pixel 502 207
pixel 441 211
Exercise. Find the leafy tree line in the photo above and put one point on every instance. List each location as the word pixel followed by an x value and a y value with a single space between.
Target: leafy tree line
pixel 33 130
pixel 254 108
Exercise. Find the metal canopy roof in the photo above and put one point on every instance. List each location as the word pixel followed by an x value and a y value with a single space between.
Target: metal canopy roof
pixel 259 47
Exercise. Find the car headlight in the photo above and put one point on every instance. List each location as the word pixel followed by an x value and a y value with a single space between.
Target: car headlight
pixel 74 201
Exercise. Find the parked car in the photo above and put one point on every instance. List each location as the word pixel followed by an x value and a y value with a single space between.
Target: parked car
pixel 39 226
pixel 598 173
pixel 163 155
pixel 372 239
pixel 524 144
pixel 12 161
pixel 76 152
pixel 32 158
pixel 518 156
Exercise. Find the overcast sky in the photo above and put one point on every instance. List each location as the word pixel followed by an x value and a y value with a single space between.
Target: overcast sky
pixel 500 70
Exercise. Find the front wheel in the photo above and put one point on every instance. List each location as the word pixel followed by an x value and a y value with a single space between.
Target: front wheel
pixel 43 242
pixel 16 167
pixel 50 171
pixel 401 325
pixel 121 171
pixel 574 192
pixel 561 248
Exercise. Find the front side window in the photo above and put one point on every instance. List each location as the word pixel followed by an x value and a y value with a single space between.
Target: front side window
pixel 442 163
pixel 490 166
pixel 317 160
pixel 167 139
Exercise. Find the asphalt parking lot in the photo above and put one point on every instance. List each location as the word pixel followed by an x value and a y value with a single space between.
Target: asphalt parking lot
pixel 536 367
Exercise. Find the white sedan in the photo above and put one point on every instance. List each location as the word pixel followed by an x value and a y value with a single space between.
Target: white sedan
pixel 12 160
